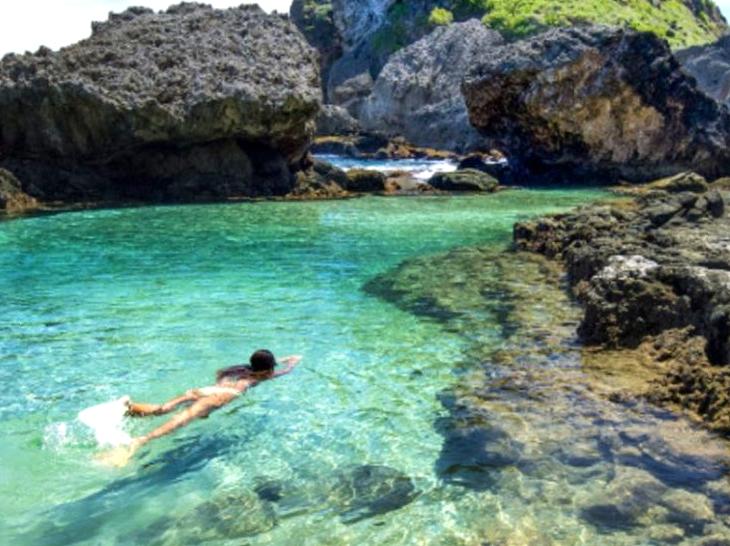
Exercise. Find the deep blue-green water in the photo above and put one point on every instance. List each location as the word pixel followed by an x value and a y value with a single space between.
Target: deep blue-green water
pixel 150 301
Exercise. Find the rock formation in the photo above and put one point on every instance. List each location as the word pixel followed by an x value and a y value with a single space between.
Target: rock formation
pixel 596 104
pixel 191 103
pixel 654 273
pixel 710 66
pixel 417 93
pixel 356 38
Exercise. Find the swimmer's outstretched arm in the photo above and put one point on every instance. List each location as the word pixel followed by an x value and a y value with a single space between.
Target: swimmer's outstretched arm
pixel 290 363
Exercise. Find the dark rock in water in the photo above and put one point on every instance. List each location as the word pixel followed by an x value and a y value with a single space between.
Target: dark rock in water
pixel 180 105
pixel 474 448
pixel 335 120
pixel 320 181
pixel 365 180
pixel 596 104
pixel 710 66
pixel 12 198
pixel 371 490
pixel 417 94
pixel 464 180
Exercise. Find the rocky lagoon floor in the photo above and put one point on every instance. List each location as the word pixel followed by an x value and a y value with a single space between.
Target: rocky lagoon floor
pixel 443 397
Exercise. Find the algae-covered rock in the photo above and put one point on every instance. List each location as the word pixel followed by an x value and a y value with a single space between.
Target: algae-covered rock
pixel 464 180
pixel 165 105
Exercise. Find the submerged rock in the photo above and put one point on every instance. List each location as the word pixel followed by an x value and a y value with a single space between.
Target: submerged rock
pixel 596 104
pixel 185 104
pixel 417 95
pixel 367 491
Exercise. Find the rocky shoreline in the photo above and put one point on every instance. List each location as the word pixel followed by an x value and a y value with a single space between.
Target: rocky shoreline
pixel 653 277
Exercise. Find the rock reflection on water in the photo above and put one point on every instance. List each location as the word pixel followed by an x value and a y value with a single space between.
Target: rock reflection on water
pixel 531 420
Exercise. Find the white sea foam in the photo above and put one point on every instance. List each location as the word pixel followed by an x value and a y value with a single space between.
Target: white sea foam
pixel 422 169
pixel 107 422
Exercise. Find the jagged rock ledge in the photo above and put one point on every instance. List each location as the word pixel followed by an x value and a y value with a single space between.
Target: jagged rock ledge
pixel 188 104
pixel 653 275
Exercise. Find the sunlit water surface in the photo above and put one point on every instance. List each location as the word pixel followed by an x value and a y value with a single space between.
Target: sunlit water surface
pixel 348 449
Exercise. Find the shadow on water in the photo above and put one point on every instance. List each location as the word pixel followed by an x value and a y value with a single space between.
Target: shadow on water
pixel 81 520
pixel 524 416
pixel 353 493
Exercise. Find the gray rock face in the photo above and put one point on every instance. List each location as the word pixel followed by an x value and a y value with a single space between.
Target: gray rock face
pixel 355 20
pixel 710 66
pixel 191 102
pixel 417 94
pixel 335 120
pixel 596 103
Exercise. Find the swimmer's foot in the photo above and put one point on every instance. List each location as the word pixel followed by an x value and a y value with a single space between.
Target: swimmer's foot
pixel 119 456
pixel 135 409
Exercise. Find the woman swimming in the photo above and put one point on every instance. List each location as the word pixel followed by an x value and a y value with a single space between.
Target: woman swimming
pixel 230 383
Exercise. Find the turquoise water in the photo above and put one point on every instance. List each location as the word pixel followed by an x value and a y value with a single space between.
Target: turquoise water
pixel 347 449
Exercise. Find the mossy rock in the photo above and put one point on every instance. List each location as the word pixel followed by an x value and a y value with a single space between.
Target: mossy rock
pixel 464 180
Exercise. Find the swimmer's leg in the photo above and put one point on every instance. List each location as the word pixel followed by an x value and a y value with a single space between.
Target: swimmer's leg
pixel 141 409
pixel 201 408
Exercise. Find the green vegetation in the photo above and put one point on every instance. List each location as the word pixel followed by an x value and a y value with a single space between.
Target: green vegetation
pixel 671 19
pixel 682 23
pixel 440 17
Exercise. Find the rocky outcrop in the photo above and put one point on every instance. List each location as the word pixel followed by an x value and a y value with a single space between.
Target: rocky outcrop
pixel 12 198
pixel 710 66
pixel 647 272
pixel 417 93
pixel 596 104
pixel 191 103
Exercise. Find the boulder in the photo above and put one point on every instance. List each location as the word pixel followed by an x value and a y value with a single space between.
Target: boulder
pixel 417 95
pixel 464 180
pixel 188 103
pixel 12 198
pixel 710 66
pixel 596 104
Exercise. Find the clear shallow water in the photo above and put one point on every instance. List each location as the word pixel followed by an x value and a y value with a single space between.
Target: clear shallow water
pixel 359 444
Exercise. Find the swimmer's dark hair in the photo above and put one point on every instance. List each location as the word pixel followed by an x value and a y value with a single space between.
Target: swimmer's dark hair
pixel 261 361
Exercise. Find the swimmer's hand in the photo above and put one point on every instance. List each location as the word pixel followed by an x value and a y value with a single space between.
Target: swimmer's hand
pixel 291 360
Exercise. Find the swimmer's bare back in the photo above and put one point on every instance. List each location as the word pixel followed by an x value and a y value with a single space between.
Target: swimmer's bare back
pixel 203 401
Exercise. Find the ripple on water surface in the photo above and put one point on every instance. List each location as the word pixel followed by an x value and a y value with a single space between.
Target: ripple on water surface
pixel 442 398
